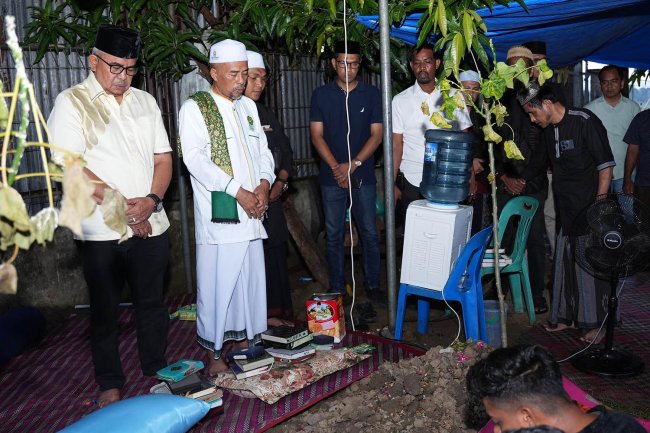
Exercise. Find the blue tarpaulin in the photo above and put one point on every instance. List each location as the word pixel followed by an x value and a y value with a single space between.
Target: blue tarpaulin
pixel 604 31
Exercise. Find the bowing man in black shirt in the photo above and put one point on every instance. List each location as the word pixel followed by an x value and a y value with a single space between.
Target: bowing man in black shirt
pixel 582 162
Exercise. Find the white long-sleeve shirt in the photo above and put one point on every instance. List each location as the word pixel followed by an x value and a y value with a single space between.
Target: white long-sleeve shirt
pixel 250 158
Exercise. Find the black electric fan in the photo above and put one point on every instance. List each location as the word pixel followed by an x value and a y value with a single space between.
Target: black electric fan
pixel 611 240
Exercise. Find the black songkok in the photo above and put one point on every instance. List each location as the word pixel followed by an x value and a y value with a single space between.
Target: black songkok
pixel 118 41
pixel 537 47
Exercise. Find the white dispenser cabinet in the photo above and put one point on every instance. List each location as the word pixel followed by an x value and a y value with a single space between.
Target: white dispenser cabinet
pixel 434 236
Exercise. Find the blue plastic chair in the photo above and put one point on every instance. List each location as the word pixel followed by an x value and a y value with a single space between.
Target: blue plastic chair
pixel 524 207
pixel 468 266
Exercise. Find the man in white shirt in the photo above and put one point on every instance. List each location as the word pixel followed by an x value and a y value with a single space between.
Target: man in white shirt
pixel 616 112
pixel 226 152
pixel 118 130
pixel 412 109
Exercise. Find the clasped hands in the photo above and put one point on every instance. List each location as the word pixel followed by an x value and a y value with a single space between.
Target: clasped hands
pixel 340 173
pixel 513 186
pixel 254 203
pixel 138 211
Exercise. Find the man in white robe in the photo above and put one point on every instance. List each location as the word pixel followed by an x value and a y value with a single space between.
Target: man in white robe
pixel 231 292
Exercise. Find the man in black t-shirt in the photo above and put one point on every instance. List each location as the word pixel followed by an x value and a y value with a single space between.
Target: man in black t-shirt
pixel 582 162
pixel 637 138
pixel 521 387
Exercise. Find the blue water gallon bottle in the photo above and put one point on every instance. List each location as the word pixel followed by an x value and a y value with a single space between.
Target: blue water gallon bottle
pixel 447 161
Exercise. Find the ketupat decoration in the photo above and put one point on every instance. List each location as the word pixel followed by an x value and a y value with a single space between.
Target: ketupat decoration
pixel 17 228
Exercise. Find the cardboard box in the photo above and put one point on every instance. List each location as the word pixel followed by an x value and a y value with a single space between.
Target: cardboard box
pixel 325 315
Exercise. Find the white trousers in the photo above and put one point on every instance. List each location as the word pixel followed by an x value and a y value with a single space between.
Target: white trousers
pixel 231 293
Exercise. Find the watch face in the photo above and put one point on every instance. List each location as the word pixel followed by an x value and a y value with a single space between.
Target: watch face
pixel 357 163
pixel 159 206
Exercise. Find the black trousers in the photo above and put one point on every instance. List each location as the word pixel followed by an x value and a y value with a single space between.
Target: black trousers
pixel 107 265
pixel 410 193
pixel 536 246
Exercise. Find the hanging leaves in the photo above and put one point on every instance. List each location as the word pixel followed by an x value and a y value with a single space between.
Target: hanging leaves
pixel 491 135
pixel 12 208
pixel 499 112
pixel 437 119
pixel 545 72
pixel 512 151
pixel 77 202
pixel 114 212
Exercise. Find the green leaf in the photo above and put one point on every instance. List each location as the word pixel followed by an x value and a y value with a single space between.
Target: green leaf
pixel 500 112
pixel 479 21
pixel 332 8
pixel 481 53
pixel 442 17
pixel 468 29
pixel 437 119
pixel 494 87
pixel 512 151
pixel 457 53
pixel 13 208
pixel 490 135
pixel 425 30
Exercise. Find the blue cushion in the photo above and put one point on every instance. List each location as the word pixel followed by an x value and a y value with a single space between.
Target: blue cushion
pixel 152 413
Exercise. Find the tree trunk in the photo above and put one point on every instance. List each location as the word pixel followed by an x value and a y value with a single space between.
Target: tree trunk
pixel 495 236
pixel 306 246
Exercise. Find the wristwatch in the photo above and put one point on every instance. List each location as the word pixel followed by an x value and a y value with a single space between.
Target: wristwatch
pixel 158 203
pixel 357 163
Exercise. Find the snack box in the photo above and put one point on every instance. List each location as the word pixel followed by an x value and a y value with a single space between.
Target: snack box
pixel 325 315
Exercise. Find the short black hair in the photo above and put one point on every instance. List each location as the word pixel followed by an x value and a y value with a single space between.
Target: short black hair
pixel 610 68
pixel 523 372
pixel 417 49
pixel 536 429
pixel 353 47
pixel 534 94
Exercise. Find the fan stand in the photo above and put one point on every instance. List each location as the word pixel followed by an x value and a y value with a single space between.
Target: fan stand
pixel 608 361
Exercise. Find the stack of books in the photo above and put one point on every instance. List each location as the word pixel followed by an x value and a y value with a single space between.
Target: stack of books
pixel 184 378
pixel 291 356
pixel 244 368
pixel 286 337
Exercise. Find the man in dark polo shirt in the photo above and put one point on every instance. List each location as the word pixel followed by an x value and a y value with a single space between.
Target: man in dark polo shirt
pixel 637 157
pixel 347 167
pixel 582 162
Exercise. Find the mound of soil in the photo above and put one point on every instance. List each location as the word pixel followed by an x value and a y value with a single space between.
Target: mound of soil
pixel 426 394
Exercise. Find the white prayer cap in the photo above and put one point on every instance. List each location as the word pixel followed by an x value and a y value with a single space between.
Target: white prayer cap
pixel 255 60
pixel 469 76
pixel 228 51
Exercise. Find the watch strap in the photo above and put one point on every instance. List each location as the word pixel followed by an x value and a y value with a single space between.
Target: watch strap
pixel 157 202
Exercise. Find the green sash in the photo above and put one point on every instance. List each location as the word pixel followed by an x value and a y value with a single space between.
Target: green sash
pixel 224 206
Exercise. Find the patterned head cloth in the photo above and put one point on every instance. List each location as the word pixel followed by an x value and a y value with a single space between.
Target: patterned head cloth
pixel 519 51
pixel 529 92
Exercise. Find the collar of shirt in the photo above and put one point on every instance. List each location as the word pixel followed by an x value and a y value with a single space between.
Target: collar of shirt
pixel 361 86
pixel 96 90
pixel 417 91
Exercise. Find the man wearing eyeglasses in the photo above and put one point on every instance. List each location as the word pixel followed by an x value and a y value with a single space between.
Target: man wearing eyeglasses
pixel 346 129
pixel 616 112
pixel 119 132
